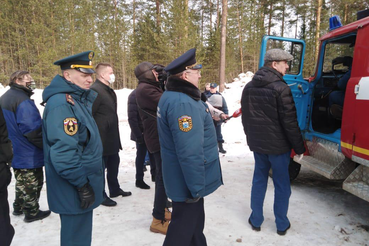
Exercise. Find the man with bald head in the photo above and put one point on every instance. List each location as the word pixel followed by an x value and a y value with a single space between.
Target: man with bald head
pixel 104 111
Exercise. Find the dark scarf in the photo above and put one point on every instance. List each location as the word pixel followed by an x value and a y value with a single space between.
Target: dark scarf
pixel 22 88
pixel 180 85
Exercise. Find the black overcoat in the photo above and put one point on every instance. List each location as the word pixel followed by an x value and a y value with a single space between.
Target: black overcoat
pixel 104 111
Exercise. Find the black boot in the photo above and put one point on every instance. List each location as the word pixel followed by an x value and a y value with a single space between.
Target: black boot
pixel 221 150
pixel 109 202
pixel 39 216
pixel 142 185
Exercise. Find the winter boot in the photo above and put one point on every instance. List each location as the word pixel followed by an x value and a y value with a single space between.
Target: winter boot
pixel 17 212
pixel 142 185
pixel 159 226
pixel 221 150
pixel 39 216
pixel 109 202
pixel 168 215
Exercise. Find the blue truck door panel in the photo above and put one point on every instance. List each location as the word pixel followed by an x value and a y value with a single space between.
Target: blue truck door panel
pixel 300 88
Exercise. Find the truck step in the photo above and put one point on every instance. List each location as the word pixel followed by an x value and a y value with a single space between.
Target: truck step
pixel 339 171
pixel 358 182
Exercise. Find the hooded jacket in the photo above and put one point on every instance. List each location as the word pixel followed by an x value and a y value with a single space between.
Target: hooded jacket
pixel 148 94
pixel 269 114
pixel 72 146
pixel 189 150
pixel 24 125
pixel 134 119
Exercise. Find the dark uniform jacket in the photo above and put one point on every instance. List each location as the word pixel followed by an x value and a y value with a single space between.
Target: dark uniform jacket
pixel 191 166
pixel 24 125
pixel 148 94
pixel 72 146
pixel 134 119
pixel 104 111
pixel 269 114
pixel 6 154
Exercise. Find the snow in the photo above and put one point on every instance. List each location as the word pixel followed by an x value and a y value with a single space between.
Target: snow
pixel 321 213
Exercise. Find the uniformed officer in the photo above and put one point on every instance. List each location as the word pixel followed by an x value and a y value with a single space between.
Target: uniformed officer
pixel 191 166
pixel 73 149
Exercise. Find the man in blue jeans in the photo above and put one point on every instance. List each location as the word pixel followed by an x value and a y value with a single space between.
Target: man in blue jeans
pixel 270 124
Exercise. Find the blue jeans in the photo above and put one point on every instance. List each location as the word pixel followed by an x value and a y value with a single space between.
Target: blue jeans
pixel 282 188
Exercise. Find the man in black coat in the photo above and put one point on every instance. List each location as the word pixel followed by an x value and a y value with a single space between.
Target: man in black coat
pixel 136 126
pixel 6 155
pixel 270 124
pixel 104 111
pixel 148 94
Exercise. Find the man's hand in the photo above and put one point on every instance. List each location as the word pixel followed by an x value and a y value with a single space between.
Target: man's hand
pixel 224 116
pixel 86 195
pixel 299 157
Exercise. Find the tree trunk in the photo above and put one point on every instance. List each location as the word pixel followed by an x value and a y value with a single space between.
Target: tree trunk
pixel 317 31
pixel 223 45
pixel 158 14
pixel 240 36
pixel 270 17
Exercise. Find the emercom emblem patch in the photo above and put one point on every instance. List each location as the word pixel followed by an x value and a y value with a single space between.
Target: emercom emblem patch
pixel 185 123
pixel 70 126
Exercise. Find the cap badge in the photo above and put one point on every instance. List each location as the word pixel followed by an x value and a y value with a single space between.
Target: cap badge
pixel 185 123
pixel 70 126
pixel 91 55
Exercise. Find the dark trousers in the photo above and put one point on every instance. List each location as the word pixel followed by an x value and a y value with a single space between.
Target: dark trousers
pixel 282 188
pixel 6 229
pixel 140 160
pixel 187 225
pixel 160 200
pixel 112 167
pixel 76 229
pixel 218 130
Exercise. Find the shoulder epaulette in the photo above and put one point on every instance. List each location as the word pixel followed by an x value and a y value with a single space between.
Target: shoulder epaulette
pixel 69 99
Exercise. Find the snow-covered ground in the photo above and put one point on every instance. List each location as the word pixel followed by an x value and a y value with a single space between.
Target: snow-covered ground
pixel 321 213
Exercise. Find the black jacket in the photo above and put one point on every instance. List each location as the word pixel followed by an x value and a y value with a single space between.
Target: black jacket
pixel 269 114
pixel 104 111
pixel 148 94
pixel 134 119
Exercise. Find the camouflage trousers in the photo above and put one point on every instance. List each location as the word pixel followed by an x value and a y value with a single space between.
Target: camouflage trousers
pixel 28 187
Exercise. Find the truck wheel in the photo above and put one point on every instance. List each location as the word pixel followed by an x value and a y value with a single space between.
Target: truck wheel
pixel 293 169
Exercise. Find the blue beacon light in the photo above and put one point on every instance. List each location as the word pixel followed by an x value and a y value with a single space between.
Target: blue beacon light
pixel 334 22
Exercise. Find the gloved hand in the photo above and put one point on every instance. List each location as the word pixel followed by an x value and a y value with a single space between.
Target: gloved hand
pixel 193 200
pixel 299 157
pixel 86 195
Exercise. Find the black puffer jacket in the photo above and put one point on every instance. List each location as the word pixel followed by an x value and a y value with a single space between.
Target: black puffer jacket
pixel 134 119
pixel 148 94
pixel 104 111
pixel 269 114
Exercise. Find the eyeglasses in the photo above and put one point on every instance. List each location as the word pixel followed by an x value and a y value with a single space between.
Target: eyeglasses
pixel 197 72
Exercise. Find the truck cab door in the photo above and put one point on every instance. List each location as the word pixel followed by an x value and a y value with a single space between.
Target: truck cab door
pixel 300 87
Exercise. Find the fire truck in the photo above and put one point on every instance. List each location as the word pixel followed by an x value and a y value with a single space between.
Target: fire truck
pixel 336 136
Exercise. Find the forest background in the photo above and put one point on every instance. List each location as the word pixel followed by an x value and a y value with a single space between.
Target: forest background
pixel 35 33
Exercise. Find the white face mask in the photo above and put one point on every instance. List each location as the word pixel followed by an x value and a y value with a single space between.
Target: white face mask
pixel 112 79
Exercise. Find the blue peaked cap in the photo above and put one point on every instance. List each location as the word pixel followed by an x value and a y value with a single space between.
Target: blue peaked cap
pixel 81 62
pixel 184 62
